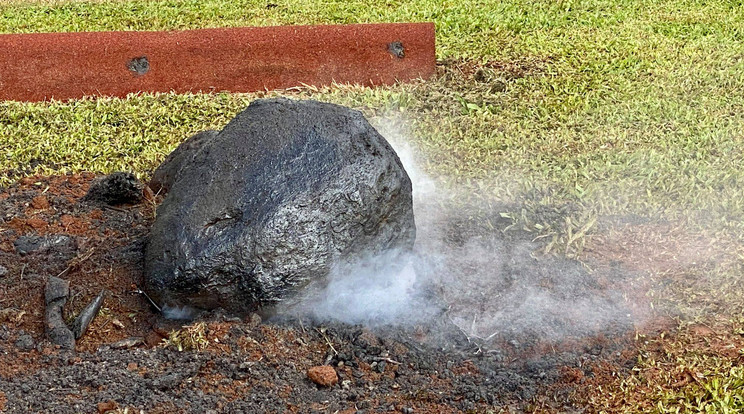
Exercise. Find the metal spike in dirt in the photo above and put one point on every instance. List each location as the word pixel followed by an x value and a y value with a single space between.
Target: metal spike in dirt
pixel 83 320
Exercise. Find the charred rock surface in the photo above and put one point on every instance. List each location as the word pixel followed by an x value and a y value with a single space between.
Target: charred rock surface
pixel 81 323
pixel 55 296
pixel 59 245
pixel 284 191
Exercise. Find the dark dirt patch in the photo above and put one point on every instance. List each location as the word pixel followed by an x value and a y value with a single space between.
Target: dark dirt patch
pixel 246 366
pixel 507 70
pixel 27 168
pixel 102 250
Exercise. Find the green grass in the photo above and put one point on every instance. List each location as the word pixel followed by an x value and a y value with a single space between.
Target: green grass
pixel 595 107
pixel 627 106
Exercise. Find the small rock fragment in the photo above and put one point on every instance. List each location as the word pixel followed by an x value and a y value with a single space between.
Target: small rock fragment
pixel 104 407
pixel 128 343
pixel 323 375
pixel 25 342
pixel 62 336
pixel 116 188
pixel 396 49
pixel 168 381
pixel 40 202
pixel 56 289
pixel 3 271
pixel 32 244
pixel 381 367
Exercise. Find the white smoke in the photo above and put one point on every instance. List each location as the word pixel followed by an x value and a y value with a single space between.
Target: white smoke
pixel 179 313
pixel 476 279
pixel 380 290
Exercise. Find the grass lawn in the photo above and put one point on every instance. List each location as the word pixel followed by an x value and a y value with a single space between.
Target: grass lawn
pixel 597 108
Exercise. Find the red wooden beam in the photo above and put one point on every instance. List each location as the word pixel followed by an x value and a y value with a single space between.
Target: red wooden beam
pixel 62 66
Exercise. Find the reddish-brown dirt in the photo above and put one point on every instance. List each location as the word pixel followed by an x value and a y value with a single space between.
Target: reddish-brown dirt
pixel 42 66
pixel 240 365
pixel 49 206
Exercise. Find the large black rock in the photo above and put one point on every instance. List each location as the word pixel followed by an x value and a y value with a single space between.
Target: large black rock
pixel 285 191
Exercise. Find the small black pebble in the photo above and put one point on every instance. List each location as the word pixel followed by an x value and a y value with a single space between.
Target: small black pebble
pixel 116 188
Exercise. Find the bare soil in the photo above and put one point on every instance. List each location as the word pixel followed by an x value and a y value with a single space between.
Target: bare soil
pixel 246 364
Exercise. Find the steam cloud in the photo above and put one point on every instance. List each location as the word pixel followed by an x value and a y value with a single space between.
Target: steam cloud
pixel 461 270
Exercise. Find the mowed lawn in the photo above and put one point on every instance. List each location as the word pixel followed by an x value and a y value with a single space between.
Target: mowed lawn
pixel 597 109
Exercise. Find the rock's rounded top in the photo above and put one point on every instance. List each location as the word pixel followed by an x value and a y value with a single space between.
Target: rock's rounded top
pixel 166 173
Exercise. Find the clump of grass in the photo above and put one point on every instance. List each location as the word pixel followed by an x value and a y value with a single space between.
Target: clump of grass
pixel 682 373
pixel 617 107
pixel 190 338
pixel 721 395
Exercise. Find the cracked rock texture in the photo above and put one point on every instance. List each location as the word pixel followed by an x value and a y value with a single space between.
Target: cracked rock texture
pixel 285 191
